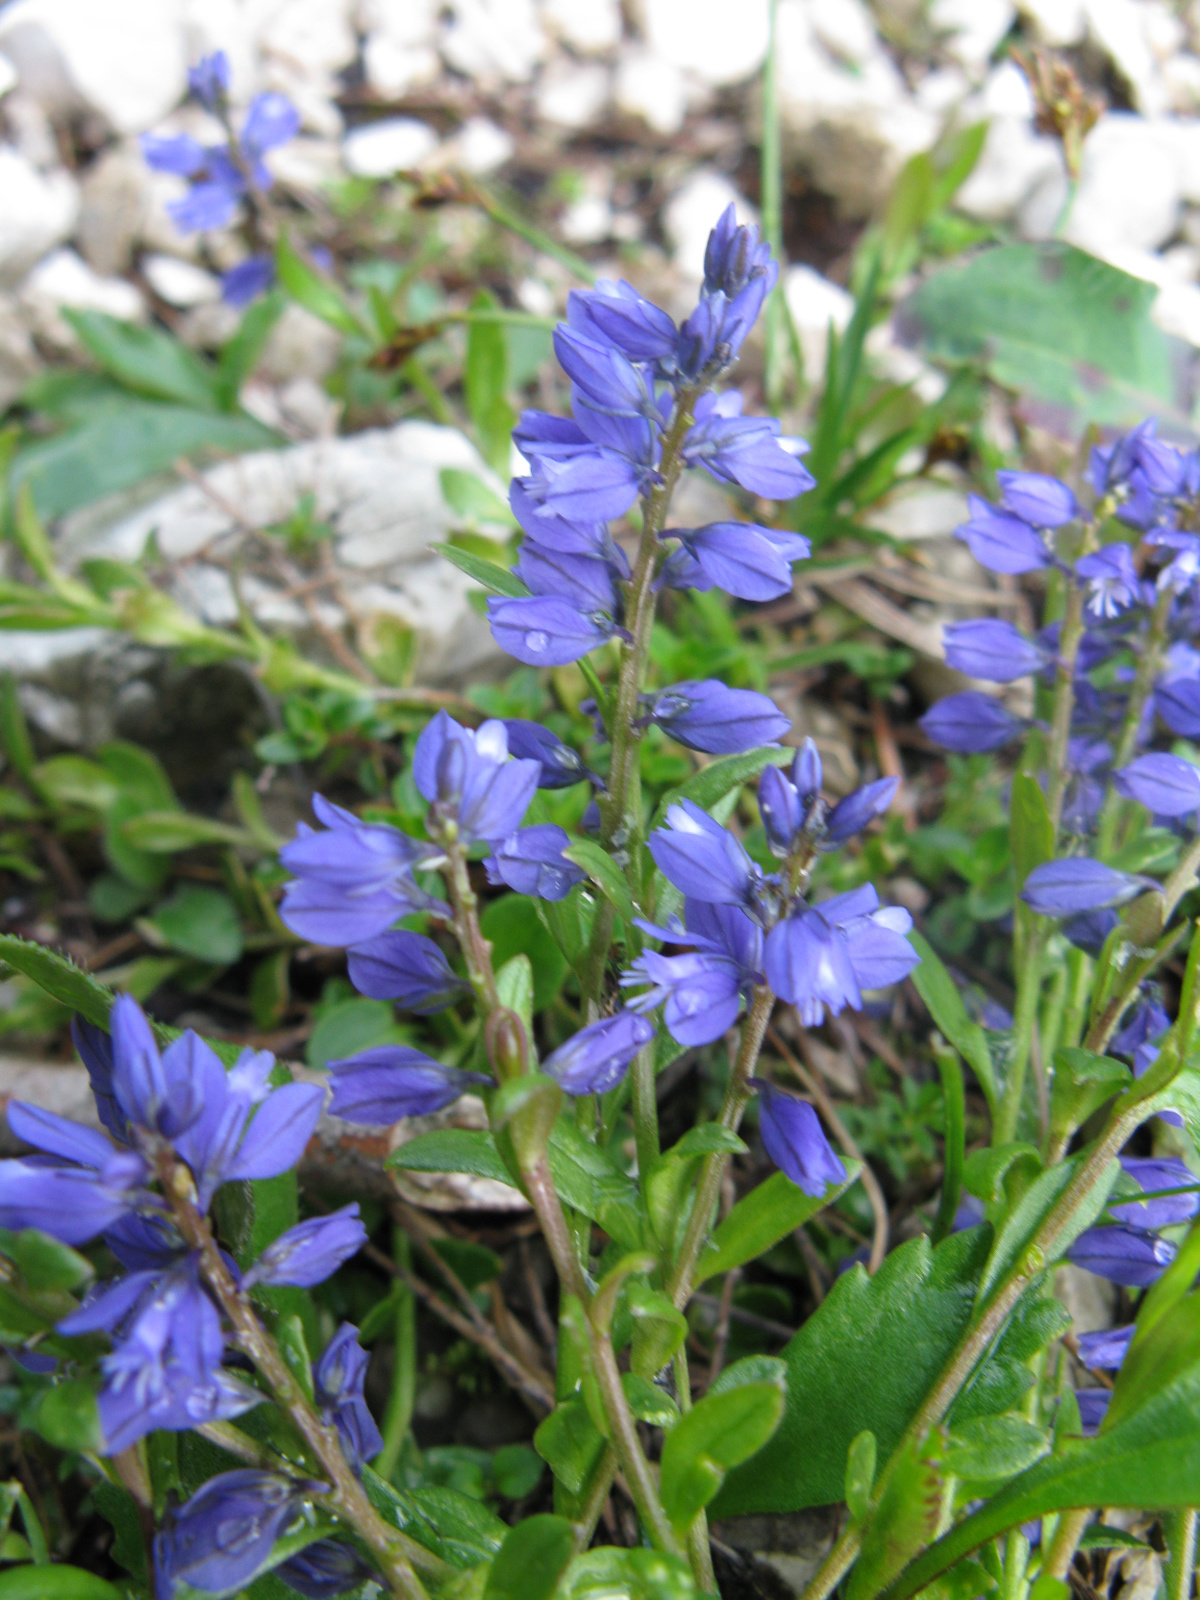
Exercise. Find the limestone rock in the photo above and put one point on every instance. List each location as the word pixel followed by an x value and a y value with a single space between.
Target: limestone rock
pixel 64 279
pixel 699 37
pixel 1057 23
pixel 314 35
pixel 652 88
pixel 39 211
pixel 18 358
pixel 180 283
pixel 974 27
pixel 1130 187
pixel 586 25
pixel 299 346
pixel 379 149
pixel 572 95
pixel 115 197
pixel 493 40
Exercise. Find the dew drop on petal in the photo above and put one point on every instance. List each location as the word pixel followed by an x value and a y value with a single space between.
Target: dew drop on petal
pixel 536 641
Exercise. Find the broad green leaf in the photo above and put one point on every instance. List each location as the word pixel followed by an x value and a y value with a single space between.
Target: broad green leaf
pixel 471 499
pixel 149 360
pixel 1151 1458
pixel 904 1520
pixel 569 923
pixel 1082 1083
pixel 605 874
pixel 515 927
pixel 609 1573
pixel 239 355
pixel 569 1442
pixel 55 1583
pixel 459 1529
pixel 514 985
pixel 719 1432
pixel 1157 1355
pixel 712 783
pixel 1051 322
pixel 524 1110
pixel 43 1262
pixel 452 1150
pixel 1030 829
pixel 992 1449
pixel 588 1180
pixel 992 1174
pixel 866 1358
pixel 767 1214
pixel 58 977
pixel 351 1026
pixel 860 1474
pixel 485 383
pixel 165 832
pixel 120 1510
pixel 313 290
pixel 489 573
pixel 200 922
pixel 66 1416
pixel 75 781
pixel 937 988
pixel 122 444
pixel 648 1402
pixel 532 1560
pixel 667 1183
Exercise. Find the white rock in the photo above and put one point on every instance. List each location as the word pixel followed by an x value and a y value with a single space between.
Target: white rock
pixel 853 125
pixel 64 279
pixel 378 149
pixel 1129 187
pixel 299 346
pixel 701 37
pixel 845 27
pixel 314 35
pixel 412 22
pixel 939 91
pixel 975 27
pixel 1014 161
pixel 305 163
pixel 814 303
pixel 8 75
pixel 691 213
pixel 179 283
pixel 1181 74
pixel 1117 27
pixel 1006 93
pixel 653 89
pixel 1056 22
pixel 1164 30
pixel 115 197
pixel 535 296
pixel 479 146
pixel 587 220
pixel 927 510
pixel 392 69
pixel 493 39
pixel 123 58
pixel 1177 311
pixel 585 25
pixel 37 213
pixel 312 92
pixel 572 95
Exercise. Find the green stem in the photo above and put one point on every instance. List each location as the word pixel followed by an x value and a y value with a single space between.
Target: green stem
pixel 1147 672
pixel 954 1097
pixel 1064 702
pixel 1065 1543
pixel 398 1417
pixel 1180 1530
pixel 1016 1559
pixel 1029 986
pixel 699 1546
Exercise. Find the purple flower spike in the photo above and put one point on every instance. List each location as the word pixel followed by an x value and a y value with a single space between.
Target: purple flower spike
pixel 338 1380
pixel 1090 929
pixel 745 560
pixel 210 78
pixel 71 1203
pixel 379 1086
pixel 1168 786
pixel 808 963
pixel 1158 1173
pixel 311 1251
pixel 1111 579
pixel 618 313
pixel 702 859
pixel 225 1533
pixel 795 1141
pixel 1123 1255
pixel 1105 1350
pixel 1177 702
pixel 405 967
pixel 561 765
pixel 598 1057
pixel 324 1569
pixel 971 723
pixel 747 451
pixel 720 721
pixel 177 153
pixel 990 649
pixel 851 815
pixel 702 990
pixel 1000 542
pixel 1036 498
pixel 470 771
pixel 271 120
pixel 1065 888
pixel 532 862
pixel 781 809
pixel 1093 1406
pixel 545 630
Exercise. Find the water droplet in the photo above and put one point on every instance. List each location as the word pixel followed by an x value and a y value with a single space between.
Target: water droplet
pixel 536 641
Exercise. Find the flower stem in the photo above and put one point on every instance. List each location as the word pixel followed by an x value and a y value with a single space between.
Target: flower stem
pixel 1180 1530
pixel 1065 1543
pixel 398 1416
pixel 1064 703
pixel 347 1496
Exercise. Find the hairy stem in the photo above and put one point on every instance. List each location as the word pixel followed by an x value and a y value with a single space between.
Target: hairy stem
pixel 476 951
pixel 346 1498
pixel 1180 1530
pixel 1065 1543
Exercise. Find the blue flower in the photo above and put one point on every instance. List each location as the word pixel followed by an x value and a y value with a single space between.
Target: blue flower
pixel 1093 1407
pixel 311 1251
pixel 245 282
pixel 1160 1172
pixel 224 1535
pixel 210 78
pixel 532 862
pixel 1106 1349
pixel 744 559
pixel 735 257
pixel 616 312
pixel 87 1188
pixel 1123 1255
pixel 795 1141
pixel 604 377
pixel 598 1056
pixel 821 957
pixel 703 989
pixel 405 967
pixel 470 776
pixel 709 716
pixel 324 1569
pixel 989 648
pixel 1112 581
pixel 782 809
pixel 852 814
pixel 703 859
pixel 545 630
pixel 1064 888
pixel 547 528
pixel 338 1380
pixel 379 1086
pixel 579 477
pixel 1168 786
pixel 561 765
pixel 970 723
pixel 1147 1022
pixel 1038 499
pixel 353 880
pixel 747 451
pixel 1000 541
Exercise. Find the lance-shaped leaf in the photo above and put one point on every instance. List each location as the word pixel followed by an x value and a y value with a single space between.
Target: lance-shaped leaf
pixel 733 1420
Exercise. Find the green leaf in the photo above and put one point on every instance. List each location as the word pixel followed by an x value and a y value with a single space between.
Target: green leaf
pixel 866 1358
pixel 1047 320
pixel 990 1174
pixel 289 1336
pixel 1151 1458
pixel 239 355
pixel 514 985
pixel 75 781
pixel 587 1179
pixel 452 1150
pixel 991 1449
pixel 489 573
pixel 532 1560
pixel 149 360
pixel 719 1432
pixel 569 1442
pixel 904 1520
pixel 59 977
pixel 608 1573
pixel 485 383
pixel 515 928
pixel 351 1026
pixel 604 872
pixel 1031 831
pixel 199 922
pixel 459 1529
pixel 14 730
pixel 767 1214
pixel 712 783
pixel 165 832
pixel 313 290
pixel 66 1416
pixel 55 1583
pixel 472 500
pixel 120 1510
pixel 1082 1083
pixel 43 1262
pixel 1016 1232
pixel 125 442
pixel 937 988
pixel 648 1402
pixel 860 1474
